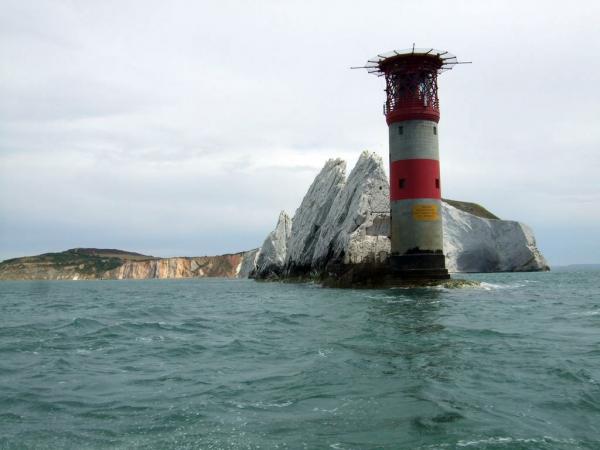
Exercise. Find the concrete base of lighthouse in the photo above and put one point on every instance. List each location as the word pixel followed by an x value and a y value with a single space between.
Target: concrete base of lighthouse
pixel 378 275
pixel 417 240
pixel 419 266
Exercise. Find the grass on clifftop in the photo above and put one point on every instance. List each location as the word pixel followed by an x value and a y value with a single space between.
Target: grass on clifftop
pixel 88 261
pixel 87 264
pixel 472 208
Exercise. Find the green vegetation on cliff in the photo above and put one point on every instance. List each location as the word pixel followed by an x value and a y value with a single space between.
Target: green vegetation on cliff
pixel 94 264
pixel 472 208
pixel 86 262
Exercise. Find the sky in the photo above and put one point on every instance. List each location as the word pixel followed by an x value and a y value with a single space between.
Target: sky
pixel 182 128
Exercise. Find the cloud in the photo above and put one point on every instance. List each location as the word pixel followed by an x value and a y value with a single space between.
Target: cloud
pixel 184 128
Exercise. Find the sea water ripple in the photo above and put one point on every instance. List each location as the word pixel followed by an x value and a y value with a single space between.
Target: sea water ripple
pixel 212 363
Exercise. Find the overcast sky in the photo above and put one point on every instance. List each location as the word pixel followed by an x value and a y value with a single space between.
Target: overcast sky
pixel 184 127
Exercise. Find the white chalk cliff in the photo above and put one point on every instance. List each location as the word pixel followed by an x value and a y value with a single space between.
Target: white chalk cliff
pixel 248 263
pixel 350 232
pixel 313 212
pixel 346 221
pixel 475 244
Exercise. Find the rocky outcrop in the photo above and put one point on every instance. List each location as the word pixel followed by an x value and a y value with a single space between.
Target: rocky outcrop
pixel 476 244
pixel 351 231
pixel 339 219
pixel 273 252
pixel 312 214
pixel 344 223
pixel 248 264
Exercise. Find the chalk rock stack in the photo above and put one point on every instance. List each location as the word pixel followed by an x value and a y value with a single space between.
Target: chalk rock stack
pixel 270 259
pixel 338 218
pixel 344 222
pixel 312 215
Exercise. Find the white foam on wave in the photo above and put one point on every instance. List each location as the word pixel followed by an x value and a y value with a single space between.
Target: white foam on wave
pixel 147 339
pixel 325 410
pixel 389 298
pixel 404 300
pixel 492 286
pixel 262 405
pixel 381 297
pixel 510 441
pixel 586 313
pixel 272 405
pixel 324 352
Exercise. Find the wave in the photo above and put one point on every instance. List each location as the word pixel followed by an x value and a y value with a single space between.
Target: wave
pixel 493 286
pixel 216 368
pixel 594 312
pixel 80 323
pixel 510 442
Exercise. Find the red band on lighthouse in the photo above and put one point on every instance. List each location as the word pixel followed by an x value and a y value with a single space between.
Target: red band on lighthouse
pixel 413 113
pixel 415 178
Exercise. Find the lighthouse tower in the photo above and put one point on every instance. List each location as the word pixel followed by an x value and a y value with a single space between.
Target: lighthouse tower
pixel 412 113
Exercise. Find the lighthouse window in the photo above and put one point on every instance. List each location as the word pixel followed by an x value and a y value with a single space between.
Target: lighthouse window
pixel 434 130
pixel 437 183
pixel 400 130
pixel 401 183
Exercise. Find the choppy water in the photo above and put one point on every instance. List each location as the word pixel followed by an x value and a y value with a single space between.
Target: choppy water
pixel 237 364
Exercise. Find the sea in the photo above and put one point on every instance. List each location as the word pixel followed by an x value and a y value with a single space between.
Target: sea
pixel 239 364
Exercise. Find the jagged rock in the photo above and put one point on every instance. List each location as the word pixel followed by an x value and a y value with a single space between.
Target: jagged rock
pixel 347 234
pixel 345 223
pixel 312 213
pixel 274 250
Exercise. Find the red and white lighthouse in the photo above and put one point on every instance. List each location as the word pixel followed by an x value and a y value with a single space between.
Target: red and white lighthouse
pixel 412 113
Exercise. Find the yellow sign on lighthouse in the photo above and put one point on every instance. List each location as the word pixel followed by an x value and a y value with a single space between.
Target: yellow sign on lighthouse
pixel 425 212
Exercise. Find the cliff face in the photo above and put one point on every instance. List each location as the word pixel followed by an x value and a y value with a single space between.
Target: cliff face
pixel 475 244
pixel 227 266
pixel 339 219
pixel 345 222
pixel 74 264
pixel 271 257
pixel 248 264
pixel 350 231
pixel 312 214
pixel 90 264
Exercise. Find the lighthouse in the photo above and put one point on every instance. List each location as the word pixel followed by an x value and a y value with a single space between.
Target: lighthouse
pixel 412 112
